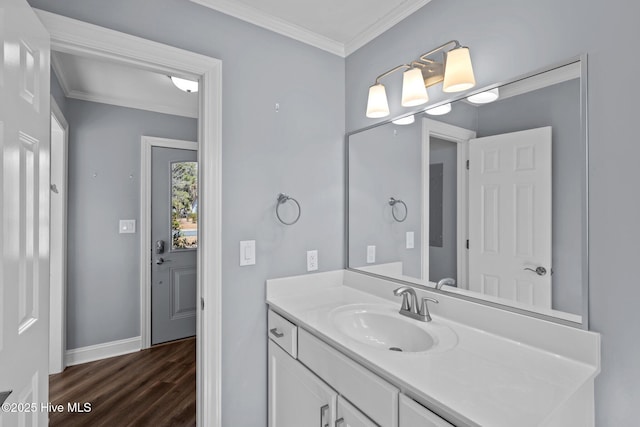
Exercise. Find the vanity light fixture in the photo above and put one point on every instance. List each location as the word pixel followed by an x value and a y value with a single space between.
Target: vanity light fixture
pixel 405 120
pixel 485 97
pixel 455 72
pixel 185 85
pixel 440 110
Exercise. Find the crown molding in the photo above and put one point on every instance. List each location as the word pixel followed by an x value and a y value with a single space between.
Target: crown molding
pixel 132 103
pixel 275 24
pixel 379 27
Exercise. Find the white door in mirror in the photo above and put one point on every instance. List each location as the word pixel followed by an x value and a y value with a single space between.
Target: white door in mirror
pixel 510 216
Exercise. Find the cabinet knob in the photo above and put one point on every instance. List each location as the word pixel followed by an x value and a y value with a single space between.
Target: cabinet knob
pixel 324 412
pixel 276 333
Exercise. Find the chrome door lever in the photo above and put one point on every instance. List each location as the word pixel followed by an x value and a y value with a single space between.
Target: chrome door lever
pixel 540 271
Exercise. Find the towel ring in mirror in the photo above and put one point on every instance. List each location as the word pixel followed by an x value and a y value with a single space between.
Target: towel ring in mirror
pixel 282 199
pixel 393 202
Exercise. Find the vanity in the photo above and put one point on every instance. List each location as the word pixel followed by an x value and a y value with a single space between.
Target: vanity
pixel 478 209
pixel 340 354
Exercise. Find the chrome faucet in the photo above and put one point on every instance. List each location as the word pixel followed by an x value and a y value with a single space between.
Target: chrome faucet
pixel 410 308
pixel 446 281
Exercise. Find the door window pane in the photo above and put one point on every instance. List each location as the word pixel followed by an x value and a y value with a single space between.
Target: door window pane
pixel 184 205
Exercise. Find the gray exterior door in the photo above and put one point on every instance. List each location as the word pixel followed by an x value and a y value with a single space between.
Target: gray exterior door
pixel 174 234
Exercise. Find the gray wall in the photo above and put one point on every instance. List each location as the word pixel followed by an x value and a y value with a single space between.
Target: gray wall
pixel 557 106
pixel 103 297
pixel 443 260
pixel 523 36
pixel 58 93
pixel 298 151
pixel 385 162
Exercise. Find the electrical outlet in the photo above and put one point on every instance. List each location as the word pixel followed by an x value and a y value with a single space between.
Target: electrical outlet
pixel 371 254
pixel 410 240
pixel 312 260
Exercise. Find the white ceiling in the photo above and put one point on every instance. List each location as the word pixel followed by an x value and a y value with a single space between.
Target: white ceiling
pixel 337 26
pixel 90 79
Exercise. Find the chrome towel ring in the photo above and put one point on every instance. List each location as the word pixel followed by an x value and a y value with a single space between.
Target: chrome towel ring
pixel 282 199
pixel 393 202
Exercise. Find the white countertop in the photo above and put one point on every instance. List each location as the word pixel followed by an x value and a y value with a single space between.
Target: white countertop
pixel 484 379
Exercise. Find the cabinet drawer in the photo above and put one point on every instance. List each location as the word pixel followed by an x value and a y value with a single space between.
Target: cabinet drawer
pixel 283 333
pixel 412 414
pixel 350 416
pixel 370 393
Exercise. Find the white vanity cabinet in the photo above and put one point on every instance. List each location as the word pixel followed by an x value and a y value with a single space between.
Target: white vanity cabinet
pixel 413 414
pixel 350 416
pixel 297 397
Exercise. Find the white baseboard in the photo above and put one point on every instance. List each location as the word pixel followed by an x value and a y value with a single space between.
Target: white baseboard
pixel 92 353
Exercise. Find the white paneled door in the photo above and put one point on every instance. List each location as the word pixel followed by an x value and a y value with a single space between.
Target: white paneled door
pixel 24 168
pixel 24 165
pixel 510 216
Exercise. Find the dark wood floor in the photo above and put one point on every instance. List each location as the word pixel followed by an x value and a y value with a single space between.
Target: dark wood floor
pixel 154 387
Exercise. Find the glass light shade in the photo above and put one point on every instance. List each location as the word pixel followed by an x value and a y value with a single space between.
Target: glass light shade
pixel 439 110
pixel 184 84
pixel 458 71
pixel 413 90
pixel 377 105
pixel 405 120
pixel 484 97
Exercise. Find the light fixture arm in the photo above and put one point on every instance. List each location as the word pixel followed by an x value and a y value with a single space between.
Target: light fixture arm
pixel 420 61
pixel 456 44
pixel 391 71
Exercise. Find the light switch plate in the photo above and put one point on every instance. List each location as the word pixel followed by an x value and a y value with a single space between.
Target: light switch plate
pixel 371 254
pixel 410 240
pixel 312 260
pixel 127 226
pixel 247 252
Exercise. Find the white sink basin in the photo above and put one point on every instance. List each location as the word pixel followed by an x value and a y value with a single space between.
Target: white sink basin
pixel 383 328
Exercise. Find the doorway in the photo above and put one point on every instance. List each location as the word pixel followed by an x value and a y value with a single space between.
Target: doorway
pixel 169 239
pixel 76 37
pixel 58 240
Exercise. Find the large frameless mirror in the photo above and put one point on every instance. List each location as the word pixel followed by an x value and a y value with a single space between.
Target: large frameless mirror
pixel 484 198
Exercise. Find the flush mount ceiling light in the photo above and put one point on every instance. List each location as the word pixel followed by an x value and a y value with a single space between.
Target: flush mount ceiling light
pixel 405 120
pixel 185 85
pixel 439 110
pixel 484 97
pixel 455 72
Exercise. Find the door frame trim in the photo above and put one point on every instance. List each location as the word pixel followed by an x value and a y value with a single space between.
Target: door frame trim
pixel 84 39
pixel 461 137
pixel 58 288
pixel 146 146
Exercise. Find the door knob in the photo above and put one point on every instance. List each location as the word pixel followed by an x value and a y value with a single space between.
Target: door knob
pixel 540 271
pixel 161 260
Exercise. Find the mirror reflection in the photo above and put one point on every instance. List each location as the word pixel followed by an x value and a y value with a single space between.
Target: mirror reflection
pixel 484 197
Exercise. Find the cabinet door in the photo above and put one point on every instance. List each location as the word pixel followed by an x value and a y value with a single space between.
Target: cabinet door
pixel 350 416
pixel 297 398
pixel 413 414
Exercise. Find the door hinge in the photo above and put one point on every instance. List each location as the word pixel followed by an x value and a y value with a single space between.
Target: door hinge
pixel 467 164
pixel 202 303
pixel 467 243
